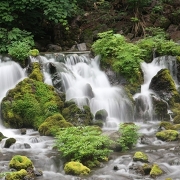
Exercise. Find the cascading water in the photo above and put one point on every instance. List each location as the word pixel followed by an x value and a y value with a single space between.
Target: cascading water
pixel 144 105
pixel 84 83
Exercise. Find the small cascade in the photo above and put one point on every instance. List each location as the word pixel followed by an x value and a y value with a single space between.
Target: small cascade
pixel 144 105
pixel 10 74
pixel 84 82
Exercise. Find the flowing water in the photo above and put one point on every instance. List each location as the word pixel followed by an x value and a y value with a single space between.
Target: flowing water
pixel 85 83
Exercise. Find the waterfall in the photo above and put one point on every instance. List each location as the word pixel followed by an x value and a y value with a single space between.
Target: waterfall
pixel 10 74
pixel 144 105
pixel 84 83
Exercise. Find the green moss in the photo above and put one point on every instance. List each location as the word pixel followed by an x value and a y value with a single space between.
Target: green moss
pixel 76 168
pixel 167 135
pixel 19 162
pixel 166 125
pixel 53 123
pixel 155 171
pixel 19 175
pixel 73 114
pixel 36 73
pixel 29 104
pixel 140 156
pixel 34 52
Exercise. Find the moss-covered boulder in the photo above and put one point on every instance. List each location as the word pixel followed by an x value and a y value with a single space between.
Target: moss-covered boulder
pixel 53 123
pixel 101 115
pixel 9 142
pixel 164 86
pixel 156 171
pixel 29 104
pixel 73 114
pixel 19 162
pixel 167 135
pixel 140 156
pixel 19 175
pixel 76 168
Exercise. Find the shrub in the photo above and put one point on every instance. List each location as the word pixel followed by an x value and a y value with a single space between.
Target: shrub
pixel 83 144
pixel 123 57
pixel 128 135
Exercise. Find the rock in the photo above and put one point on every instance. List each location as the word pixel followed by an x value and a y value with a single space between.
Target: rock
pixel 167 135
pixel 140 156
pixel 155 171
pixel 2 136
pixel 23 131
pixel 19 162
pixel 54 48
pixel 19 175
pixel 76 168
pixel 101 115
pixel 9 142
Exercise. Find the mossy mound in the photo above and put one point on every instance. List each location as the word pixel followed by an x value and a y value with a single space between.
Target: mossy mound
pixel 140 156
pixel 36 73
pixel 19 162
pixel 101 115
pixel 19 175
pixel 53 123
pixel 29 104
pixel 73 114
pixel 169 126
pixel 155 171
pixel 164 86
pixel 76 168
pixel 167 135
pixel 9 142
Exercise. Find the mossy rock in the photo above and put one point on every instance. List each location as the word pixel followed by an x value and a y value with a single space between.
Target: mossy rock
pixel 140 156
pixel 2 136
pixel 163 84
pixel 77 116
pixel 167 135
pixel 19 175
pixel 36 73
pixel 101 115
pixel 9 142
pixel 53 123
pixel 146 169
pixel 166 125
pixel 34 52
pixel 155 171
pixel 19 162
pixel 76 168
pixel 29 104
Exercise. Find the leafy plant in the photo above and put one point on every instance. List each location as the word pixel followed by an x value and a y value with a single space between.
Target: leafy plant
pixel 84 144
pixel 128 135
pixel 124 57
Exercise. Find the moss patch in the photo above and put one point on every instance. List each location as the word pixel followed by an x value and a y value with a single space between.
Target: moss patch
pixel 19 175
pixel 167 135
pixel 155 171
pixel 140 156
pixel 76 168
pixel 19 162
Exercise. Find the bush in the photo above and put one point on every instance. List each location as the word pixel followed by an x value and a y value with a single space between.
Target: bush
pixel 128 135
pixel 116 52
pixel 83 144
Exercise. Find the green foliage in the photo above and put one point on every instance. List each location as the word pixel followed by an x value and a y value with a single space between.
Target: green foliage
pixel 83 144
pixel 123 57
pixel 16 37
pixel 19 50
pixel 128 135
pixel 138 3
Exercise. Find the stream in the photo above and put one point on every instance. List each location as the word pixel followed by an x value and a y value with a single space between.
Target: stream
pixel 120 165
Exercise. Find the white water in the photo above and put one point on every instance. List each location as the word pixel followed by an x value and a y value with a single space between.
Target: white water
pixel 149 71
pixel 86 84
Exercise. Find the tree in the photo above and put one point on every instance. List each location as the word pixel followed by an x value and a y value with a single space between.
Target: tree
pixel 34 15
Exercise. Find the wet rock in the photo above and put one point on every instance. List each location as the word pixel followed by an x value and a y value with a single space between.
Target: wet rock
pixel 54 48
pixel 155 171
pixel 1 136
pixel 101 115
pixel 23 131
pixel 9 142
